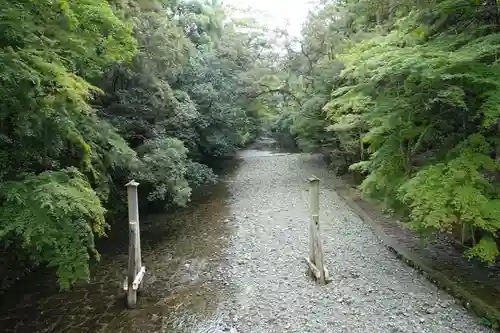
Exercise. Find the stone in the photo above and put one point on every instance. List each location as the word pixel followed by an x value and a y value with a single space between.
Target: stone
pixel 430 311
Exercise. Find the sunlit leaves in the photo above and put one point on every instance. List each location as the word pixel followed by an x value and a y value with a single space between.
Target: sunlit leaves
pixel 54 215
pixel 416 104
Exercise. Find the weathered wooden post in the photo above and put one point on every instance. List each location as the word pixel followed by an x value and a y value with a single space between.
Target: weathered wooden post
pixel 315 260
pixel 135 271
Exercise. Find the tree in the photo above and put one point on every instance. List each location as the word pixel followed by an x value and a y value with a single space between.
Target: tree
pixel 412 106
pixel 55 159
pixel 96 92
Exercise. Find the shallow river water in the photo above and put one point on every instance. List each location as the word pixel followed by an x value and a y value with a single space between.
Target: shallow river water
pixel 181 252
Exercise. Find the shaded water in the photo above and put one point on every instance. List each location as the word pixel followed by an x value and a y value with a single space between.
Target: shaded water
pixel 182 253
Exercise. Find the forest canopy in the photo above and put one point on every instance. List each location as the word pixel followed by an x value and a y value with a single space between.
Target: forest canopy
pixel 403 94
pixel 95 93
pixel 406 94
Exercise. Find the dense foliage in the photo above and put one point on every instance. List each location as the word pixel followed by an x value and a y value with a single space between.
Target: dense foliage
pixel 406 93
pixel 403 93
pixel 97 92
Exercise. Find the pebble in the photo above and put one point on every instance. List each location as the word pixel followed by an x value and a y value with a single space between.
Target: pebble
pixel 430 311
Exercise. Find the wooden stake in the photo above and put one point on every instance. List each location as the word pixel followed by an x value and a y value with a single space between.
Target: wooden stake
pixel 314 210
pixel 133 216
pixel 315 262
pixel 132 265
pixel 135 271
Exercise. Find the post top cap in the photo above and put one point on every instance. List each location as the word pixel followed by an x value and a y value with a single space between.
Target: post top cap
pixel 132 183
pixel 313 179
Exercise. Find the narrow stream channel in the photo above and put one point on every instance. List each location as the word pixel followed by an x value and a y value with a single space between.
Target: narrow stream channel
pixel 182 252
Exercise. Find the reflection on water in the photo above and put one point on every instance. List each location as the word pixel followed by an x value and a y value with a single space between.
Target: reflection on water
pixel 183 255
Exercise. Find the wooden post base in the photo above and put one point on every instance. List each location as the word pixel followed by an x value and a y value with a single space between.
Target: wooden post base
pixel 131 294
pixel 314 272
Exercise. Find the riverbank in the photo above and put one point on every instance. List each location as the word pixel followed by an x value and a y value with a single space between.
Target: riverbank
pixel 474 284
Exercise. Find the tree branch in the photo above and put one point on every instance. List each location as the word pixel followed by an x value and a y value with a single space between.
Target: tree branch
pixel 281 91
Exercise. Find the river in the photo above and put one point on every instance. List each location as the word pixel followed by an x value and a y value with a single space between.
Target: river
pixel 231 263
pixel 181 252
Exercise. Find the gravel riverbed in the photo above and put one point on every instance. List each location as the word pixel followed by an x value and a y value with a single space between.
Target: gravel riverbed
pixel 234 264
pixel 370 291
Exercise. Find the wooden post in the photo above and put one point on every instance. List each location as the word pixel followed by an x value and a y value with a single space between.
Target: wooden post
pixel 136 271
pixel 314 211
pixel 133 216
pixel 315 260
pixel 132 264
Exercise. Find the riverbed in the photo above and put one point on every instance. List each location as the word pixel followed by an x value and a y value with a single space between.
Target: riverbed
pixel 232 262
